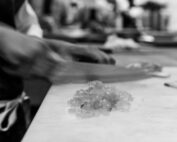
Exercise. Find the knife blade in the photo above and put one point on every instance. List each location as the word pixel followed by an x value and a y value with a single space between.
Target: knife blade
pixel 76 72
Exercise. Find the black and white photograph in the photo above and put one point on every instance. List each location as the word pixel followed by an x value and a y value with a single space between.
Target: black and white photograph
pixel 88 71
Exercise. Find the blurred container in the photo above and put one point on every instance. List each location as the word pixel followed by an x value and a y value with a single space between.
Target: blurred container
pixel 155 16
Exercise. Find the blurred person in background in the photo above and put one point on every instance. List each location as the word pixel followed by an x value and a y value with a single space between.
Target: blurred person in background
pixel 102 17
pixel 109 17
pixel 24 54
pixel 98 17
pixel 59 14
pixel 82 13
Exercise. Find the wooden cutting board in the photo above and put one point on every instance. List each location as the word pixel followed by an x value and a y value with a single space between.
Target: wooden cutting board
pixel 152 116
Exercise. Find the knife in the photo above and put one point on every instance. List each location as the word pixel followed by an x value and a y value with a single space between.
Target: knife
pixel 76 72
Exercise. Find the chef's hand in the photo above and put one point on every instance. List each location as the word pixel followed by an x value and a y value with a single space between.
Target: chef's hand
pixel 26 56
pixel 79 53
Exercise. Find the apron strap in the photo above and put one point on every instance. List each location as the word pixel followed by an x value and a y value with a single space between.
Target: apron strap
pixel 8 115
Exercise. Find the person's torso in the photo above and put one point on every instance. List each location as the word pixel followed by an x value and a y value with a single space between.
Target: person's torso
pixel 10 86
pixel 8 9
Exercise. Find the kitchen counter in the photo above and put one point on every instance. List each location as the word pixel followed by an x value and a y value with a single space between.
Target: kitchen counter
pixel 151 118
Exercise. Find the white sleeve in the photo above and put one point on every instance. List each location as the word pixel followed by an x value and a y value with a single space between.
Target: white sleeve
pixel 27 22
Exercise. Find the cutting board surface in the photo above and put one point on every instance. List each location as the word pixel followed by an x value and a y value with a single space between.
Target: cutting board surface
pixel 152 116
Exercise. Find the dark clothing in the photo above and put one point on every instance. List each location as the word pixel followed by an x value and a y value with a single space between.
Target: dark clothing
pixel 10 86
pixel 8 9
pixel 89 20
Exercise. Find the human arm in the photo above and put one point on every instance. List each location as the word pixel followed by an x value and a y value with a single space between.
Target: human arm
pixel 27 56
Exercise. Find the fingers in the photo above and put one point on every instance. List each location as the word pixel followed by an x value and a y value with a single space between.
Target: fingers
pixel 92 56
pixel 77 53
pixel 106 59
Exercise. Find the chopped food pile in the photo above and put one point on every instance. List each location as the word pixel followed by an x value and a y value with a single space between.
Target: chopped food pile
pixel 147 67
pixel 99 99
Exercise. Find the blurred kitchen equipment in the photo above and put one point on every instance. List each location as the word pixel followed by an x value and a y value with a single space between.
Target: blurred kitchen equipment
pixel 155 16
